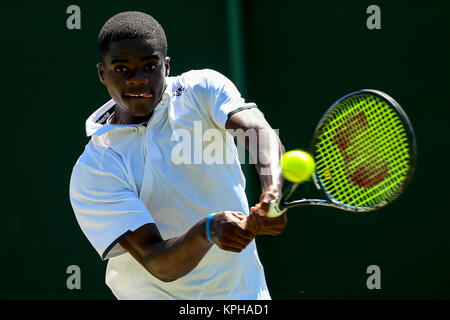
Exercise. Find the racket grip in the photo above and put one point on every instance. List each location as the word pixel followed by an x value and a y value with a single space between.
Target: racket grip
pixel 274 210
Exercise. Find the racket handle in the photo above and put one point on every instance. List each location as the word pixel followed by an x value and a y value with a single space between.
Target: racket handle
pixel 275 210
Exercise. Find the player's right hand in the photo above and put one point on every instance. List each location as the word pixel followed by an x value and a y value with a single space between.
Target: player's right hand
pixel 228 231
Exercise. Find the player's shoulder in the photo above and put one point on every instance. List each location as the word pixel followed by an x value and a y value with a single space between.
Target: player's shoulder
pixel 202 74
pixel 202 78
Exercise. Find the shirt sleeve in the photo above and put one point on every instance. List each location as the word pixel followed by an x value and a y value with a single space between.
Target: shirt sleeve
pixel 223 98
pixel 105 205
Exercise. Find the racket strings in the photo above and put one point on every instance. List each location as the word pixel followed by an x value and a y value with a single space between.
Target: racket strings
pixel 362 152
pixel 361 175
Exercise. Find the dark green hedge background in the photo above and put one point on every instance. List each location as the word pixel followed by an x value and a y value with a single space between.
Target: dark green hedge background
pixel 294 59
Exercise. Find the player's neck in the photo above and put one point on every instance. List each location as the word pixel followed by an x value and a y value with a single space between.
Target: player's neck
pixel 120 117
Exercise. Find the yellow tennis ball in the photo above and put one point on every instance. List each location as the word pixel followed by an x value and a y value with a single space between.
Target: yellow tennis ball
pixel 297 166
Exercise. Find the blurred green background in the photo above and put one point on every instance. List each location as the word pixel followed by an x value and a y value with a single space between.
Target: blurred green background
pixel 294 59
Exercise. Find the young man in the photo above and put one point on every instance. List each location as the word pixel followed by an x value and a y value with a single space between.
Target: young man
pixel 171 229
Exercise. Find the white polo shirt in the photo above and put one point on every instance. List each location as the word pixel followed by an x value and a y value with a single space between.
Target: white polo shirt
pixel 163 173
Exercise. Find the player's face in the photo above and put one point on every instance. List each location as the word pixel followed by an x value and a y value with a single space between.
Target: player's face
pixel 134 73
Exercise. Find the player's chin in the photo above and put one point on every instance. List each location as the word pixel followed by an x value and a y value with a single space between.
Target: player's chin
pixel 139 108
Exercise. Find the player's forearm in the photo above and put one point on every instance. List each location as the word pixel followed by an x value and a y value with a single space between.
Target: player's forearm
pixel 268 150
pixel 171 259
pixel 268 155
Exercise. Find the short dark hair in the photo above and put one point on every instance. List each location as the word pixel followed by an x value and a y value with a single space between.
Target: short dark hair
pixel 131 25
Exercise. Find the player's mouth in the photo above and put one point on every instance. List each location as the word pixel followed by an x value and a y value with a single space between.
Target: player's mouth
pixel 139 95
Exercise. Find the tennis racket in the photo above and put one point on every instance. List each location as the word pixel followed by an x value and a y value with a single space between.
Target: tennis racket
pixel 365 152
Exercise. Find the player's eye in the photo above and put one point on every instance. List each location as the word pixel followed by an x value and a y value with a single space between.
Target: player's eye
pixel 150 66
pixel 120 68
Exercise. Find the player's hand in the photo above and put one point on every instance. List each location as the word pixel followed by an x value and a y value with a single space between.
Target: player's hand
pixel 259 224
pixel 228 231
pixel 264 202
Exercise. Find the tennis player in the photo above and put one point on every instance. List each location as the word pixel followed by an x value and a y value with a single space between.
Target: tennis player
pixel 171 229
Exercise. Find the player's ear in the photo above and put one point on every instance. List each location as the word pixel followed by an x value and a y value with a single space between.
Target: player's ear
pixel 101 70
pixel 167 65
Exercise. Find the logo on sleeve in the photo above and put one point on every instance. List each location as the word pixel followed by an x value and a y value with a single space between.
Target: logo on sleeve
pixel 179 91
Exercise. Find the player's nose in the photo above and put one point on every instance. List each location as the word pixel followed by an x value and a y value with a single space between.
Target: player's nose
pixel 137 80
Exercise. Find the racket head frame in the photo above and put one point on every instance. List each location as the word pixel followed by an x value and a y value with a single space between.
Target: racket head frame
pixel 412 152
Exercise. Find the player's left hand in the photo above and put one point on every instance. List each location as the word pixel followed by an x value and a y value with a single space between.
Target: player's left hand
pixel 259 224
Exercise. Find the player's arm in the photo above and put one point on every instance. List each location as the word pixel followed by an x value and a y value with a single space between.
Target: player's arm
pixel 173 258
pixel 267 152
